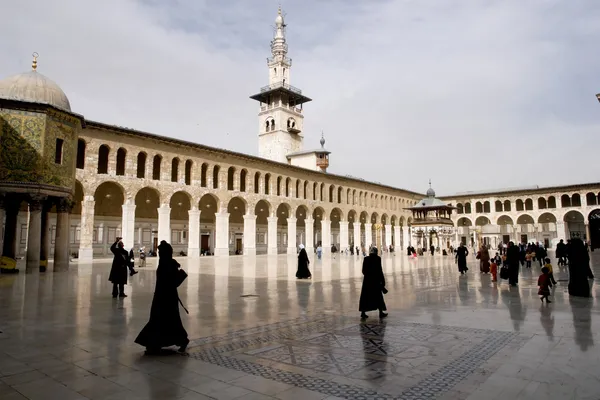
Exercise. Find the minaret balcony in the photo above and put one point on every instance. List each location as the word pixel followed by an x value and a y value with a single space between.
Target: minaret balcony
pixel 278 85
pixel 322 162
pixel 291 129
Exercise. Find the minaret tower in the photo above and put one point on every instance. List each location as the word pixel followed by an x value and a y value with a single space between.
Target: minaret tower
pixel 280 119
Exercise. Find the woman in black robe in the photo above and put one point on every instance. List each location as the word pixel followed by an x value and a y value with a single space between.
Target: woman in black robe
pixel 579 264
pixel 303 272
pixel 118 271
pixel 165 327
pixel 461 258
pixel 373 286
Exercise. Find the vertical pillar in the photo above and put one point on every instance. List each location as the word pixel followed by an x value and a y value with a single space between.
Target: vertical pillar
pixel 344 241
pixel 587 231
pixel 272 235
pixel 368 236
pixel 34 234
pixel 222 234
pixel 326 235
pixel 388 236
pixel 356 234
pixel 291 235
pixel 516 239
pixel 456 238
pixel 61 240
pixel 127 224
pixel 250 234
pixel 194 232
pixel 560 231
pixel 45 238
pixel 475 243
pixel 86 251
pixel 309 234
pixel 397 233
pixel 2 213
pixel 164 224
pixel 8 261
pixel 405 238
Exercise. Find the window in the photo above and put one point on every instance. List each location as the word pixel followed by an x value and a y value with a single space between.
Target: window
pixel 257 182
pixel 243 175
pixel 203 172
pixel 121 156
pixel 103 159
pixel 80 153
pixel 141 165
pixel 58 153
pixel 230 178
pixel 188 172
pixel 216 177
pixel 156 167
pixel 175 170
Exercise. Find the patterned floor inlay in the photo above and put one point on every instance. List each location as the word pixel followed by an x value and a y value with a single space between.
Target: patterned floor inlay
pixel 419 361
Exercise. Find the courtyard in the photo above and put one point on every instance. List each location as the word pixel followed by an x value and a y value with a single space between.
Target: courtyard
pixel 258 333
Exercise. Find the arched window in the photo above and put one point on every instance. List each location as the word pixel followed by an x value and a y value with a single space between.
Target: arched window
pixel 529 204
pixel 551 202
pixel 486 207
pixel 80 153
pixel 305 191
pixel 215 176
pixel 340 195
pixel 315 190
pixel 103 159
pixel 288 183
pixel 141 165
pixel 565 200
pixel 188 172
pixel 467 208
pixel 203 174
pixel 257 183
pixel 459 208
pixel 507 206
pixel 267 183
pixel 542 204
pixel 331 189
pixel 322 196
pixel 156 167
pixel 278 186
pixel 498 205
pixel 591 199
pixel 478 207
pixel 272 125
pixel 231 178
pixel 243 175
pixel 576 200
pixel 121 158
pixel 297 188
pixel 520 206
pixel 175 170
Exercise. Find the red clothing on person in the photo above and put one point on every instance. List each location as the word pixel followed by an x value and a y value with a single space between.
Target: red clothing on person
pixel 544 284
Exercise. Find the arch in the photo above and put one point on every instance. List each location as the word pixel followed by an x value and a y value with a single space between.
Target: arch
pixel 364 218
pixel 103 153
pixel 77 198
pixel 591 199
pixel 374 218
pixel 547 218
pixel 147 201
pixel 351 216
pixel 278 192
pixel 486 207
pixel 467 208
pixel 318 215
pixel 525 219
pixel 243 179
pixel 331 192
pixel 519 205
pixel 551 202
pixel 401 221
pixel 315 190
pixel 301 214
pixel 81 145
pixel 121 160
pixel 188 172
pixel 257 183
pixel 267 183
pixel 215 176
pixel 340 194
pixel 109 199
pixel 262 210
pixel 576 200
pixel 542 203
pixel 156 162
pixel 384 219
pixel 208 206
pixel 180 203
pixel 236 207
pixel 322 192
pixel 141 165
pixel 565 200
pixel 482 221
pixel 288 184
pixel 175 169
pixel 507 206
pixel 574 216
pixel 231 178
pixel 464 221
pixel 498 206
pixel 479 207
pixel 305 190
pixel 505 220
pixel 203 174
pixel 393 220
pixel 459 208
pixel 528 204
pixel 336 217
pixel 297 188
pixel 409 221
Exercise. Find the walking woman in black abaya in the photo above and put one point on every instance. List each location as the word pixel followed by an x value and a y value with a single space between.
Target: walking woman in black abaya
pixel 373 287
pixel 165 327
pixel 303 272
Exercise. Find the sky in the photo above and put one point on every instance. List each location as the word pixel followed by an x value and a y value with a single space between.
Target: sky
pixel 472 94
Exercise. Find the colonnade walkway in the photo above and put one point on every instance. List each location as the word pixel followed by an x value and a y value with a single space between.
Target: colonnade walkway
pixel 258 333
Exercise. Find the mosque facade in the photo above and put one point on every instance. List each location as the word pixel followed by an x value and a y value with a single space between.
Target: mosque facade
pixel 70 186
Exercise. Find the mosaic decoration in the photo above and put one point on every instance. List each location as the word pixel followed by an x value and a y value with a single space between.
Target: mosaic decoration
pixel 309 352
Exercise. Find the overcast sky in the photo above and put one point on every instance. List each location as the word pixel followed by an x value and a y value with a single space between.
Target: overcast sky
pixel 474 94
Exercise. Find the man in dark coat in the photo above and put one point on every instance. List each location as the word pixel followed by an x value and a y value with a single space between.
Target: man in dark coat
pixel 303 272
pixel 165 327
pixel 118 271
pixel 461 258
pixel 561 252
pixel 373 286
pixel 432 249
pixel 541 254
pixel 579 269
pixel 512 259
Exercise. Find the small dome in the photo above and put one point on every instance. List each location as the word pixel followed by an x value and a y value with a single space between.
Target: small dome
pixel 34 87
pixel 279 18
pixel 430 192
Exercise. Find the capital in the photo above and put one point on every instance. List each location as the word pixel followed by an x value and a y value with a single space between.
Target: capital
pixel 64 205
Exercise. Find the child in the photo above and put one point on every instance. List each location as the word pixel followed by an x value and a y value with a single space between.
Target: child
pixel 528 257
pixel 497 260
pixel 544 283
pixel 494 270
pixel 549 266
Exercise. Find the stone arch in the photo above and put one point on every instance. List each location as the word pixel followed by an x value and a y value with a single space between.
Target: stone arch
pixel 576 200
pixel 498 206
pixel 468 208
pixel 322 192
pixel 459 208
pixel 547 217
pixel 542 203
pixel 318 214
pixel 551 202
pixel 507 206
pixel 482 221
pixel 519 205
pixel 374 218
pixel 394 220
pixel 573 215
pixel 147 202
pixel 231 178
pixel 336 216
pixel 591 199
pixel 464 221
pixel 237 207
pixel 305 191
pixel 575 224
pixel 262 210
pixel 180 203
pixel 384 219
pixel 301 213
pixel 208 205
pixel 297 188
pixel 486 207
pixel 528 204
pixel 109 197
pixel 565 201
pixel 349 198
pixel 525 219
pixel 505 220
pixel 479 207
pixel 401 221
pixel 283 212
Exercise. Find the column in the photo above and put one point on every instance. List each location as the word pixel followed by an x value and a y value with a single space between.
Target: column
pixel 456 238
pixel 128 224
pixel 309 224
pixel 388 235
pixel 475 244
pixel 344 242
pixel 560 231
pixel 326 236
pixel 45 238
pixel 516 239
pixel 587 231
pixel 164 224
pixel 34 234
pixel 222 234
pixel 1 221
pixel 194 232
pixel 368 236
pixel 397 233
pixel 405 238
pixel 8 262
pixel 250 235
pixel 356 234
pixel 86 250
pixel 291 234
pixel 272 235
pixel 61 240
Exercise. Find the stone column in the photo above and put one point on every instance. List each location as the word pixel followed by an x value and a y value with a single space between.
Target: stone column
pixel 560 231
pixel 326 235
pixel 86 250
pixel 164 223
pixel 194 232
pixel 397 233
pixel 356 235
pixel 272 235
pixel 291 234
pixel 250 234
pixel 388 235
pixel 368 236
pixel 475 243
pixel 61 240
pixel 344 240
pixel 1 221
pixel 309 235
pixel 222 234
pixel 587 232
pixel 405 238
pixel 45 238
pixel 456 238
pixel 34 234
pixel 128 224
pixel 9 244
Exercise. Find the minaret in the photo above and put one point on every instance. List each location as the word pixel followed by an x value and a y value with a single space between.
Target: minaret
pixel 280 119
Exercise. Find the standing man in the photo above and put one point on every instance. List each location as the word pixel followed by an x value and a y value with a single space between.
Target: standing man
pixel 512 259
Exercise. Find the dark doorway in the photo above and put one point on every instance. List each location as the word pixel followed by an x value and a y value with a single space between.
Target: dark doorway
pixel 238 246
pixel 204 243
pixel 523 238
pixel 505 239
pixel 594 219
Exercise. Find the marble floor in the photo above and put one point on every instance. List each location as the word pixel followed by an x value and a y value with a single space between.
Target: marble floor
pixel 258 333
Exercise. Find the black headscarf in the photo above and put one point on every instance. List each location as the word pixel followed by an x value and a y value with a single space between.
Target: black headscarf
pixel 165 250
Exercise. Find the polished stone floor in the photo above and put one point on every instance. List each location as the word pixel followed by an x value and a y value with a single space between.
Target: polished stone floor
pixel 258 333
